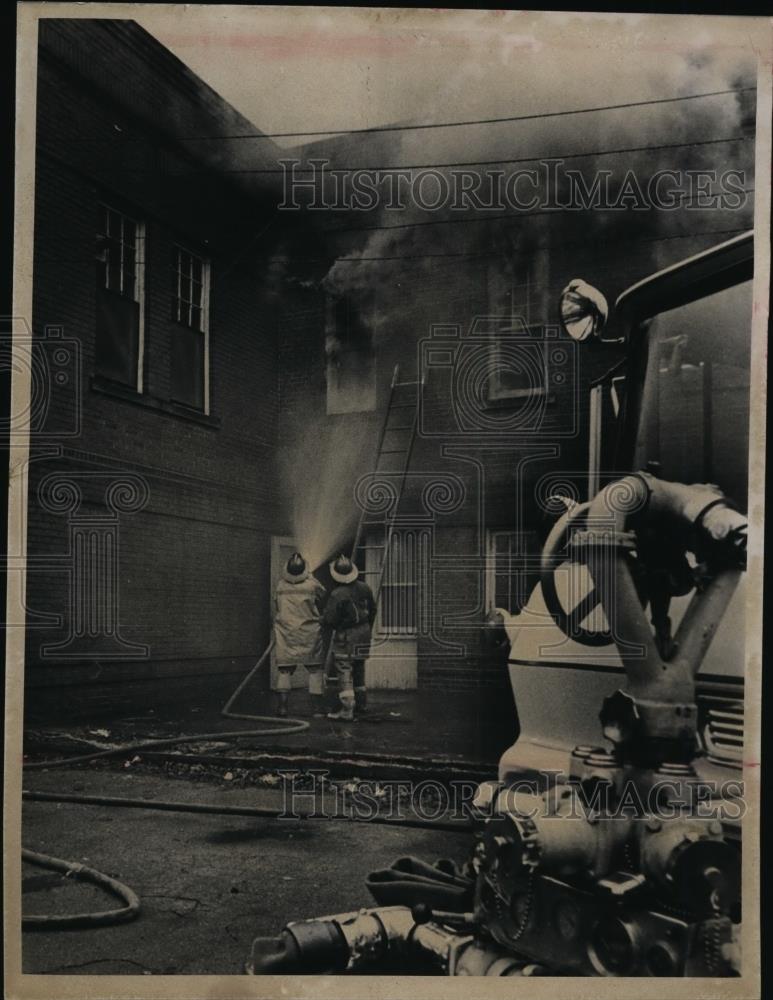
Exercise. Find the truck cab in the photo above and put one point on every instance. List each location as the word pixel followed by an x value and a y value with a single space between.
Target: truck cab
pixel 677 407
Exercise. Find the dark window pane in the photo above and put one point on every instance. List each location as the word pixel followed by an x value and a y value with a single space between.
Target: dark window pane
pixel 114 267
pixel 117 340
pixel 128 272
pixel 129 233
pixel 197 269
pixel 188 368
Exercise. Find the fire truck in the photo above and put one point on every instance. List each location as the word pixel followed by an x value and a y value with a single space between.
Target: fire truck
pixel 610 845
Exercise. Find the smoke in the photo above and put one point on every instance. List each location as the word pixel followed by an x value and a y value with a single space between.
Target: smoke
pixel 383 263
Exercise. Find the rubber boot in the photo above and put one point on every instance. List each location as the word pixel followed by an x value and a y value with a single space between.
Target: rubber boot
pixel 360 701
pixel 346 711
pixel 281 704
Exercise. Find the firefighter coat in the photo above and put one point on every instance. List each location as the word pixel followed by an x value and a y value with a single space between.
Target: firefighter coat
pixel 352 641
pixel 298 606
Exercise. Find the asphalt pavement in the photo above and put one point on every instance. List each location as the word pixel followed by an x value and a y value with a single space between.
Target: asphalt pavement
pixel 208 884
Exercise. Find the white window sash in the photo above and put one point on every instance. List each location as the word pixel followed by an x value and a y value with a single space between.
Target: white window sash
pixel 138 291
pixel 186 319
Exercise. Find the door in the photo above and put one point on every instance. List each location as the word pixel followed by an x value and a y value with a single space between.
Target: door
pixel 282 547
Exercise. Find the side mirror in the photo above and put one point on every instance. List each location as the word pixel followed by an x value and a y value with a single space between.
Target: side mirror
pixel 583 309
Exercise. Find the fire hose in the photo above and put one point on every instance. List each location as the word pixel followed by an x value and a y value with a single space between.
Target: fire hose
pixel 132 908
pixel 73 868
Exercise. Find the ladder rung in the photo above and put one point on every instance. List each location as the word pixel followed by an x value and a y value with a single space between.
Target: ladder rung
pixel 393 451
pixel 399 385
pixel 401 427
pixel 403 406
pixel 365 548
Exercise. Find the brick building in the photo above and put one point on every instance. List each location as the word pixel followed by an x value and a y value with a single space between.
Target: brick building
pixel 152 488
pixel 469 303
pixel 214 351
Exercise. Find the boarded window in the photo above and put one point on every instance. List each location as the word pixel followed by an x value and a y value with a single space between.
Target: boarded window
pixel 119 298
pixel 189 298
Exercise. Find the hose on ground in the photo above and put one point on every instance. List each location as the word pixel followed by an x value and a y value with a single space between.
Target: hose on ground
pixel 130 911
pixel 288 726
pixel 166 805
pixel 285 727
pixel 102 918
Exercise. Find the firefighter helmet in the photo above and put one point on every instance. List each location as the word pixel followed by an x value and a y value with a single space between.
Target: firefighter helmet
pixel 343 571
pixel 296 569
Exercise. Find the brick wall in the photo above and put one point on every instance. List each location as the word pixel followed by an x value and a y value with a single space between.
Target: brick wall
pixel 192 563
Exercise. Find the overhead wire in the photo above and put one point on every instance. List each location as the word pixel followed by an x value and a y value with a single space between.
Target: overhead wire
pixel 393 167
pixel 412 127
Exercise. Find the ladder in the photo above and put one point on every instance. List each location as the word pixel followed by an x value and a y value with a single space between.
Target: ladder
pixel 395 445
pixel 393 457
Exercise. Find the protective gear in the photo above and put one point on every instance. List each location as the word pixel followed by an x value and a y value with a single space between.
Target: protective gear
pixel 343 571
pixel 315 680
pixel 350 645
pixel 283 678
pixel 297 620
pixel 296 568
pixel 346 711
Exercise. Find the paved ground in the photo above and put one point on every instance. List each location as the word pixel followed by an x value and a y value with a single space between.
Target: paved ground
pixel 474 726
pixel 208 884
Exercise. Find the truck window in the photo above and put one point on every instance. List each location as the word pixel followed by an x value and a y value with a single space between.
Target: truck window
pixel 694 423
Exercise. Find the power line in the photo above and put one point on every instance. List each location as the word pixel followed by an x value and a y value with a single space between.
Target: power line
pixel 488 218
pixel 478 163
pixel 473 121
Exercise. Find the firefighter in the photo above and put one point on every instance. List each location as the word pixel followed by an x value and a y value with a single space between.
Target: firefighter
pixel 350 612
pixel 298 606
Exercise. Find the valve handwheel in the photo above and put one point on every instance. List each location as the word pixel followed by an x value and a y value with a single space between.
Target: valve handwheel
pixel 554 554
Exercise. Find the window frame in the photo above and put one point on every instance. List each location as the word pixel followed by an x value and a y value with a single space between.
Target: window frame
pixel 529 558
pixel 179 248
pixel 534 336
pixel 104 207
pixel 372 571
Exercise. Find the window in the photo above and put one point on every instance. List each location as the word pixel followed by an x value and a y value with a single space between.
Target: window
pixel 190 334
pixel 399 597
pixel 518 364
pixel 120 297
pixel 519 297
pixel 350 355
pixel 512 569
